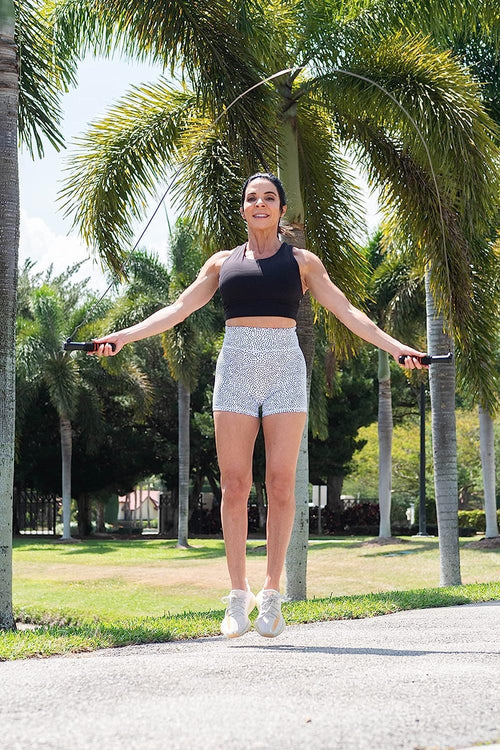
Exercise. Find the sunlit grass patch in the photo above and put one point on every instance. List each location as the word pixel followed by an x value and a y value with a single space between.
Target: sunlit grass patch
pixel 89 635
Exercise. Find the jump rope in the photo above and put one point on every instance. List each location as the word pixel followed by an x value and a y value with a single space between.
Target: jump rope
pixel 90 346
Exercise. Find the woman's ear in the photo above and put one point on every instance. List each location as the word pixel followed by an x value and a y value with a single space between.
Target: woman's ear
pixel 283 210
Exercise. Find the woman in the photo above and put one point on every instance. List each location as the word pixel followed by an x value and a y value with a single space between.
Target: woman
pixel 260 375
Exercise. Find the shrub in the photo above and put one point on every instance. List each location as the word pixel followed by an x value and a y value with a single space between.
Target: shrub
pixel 474 519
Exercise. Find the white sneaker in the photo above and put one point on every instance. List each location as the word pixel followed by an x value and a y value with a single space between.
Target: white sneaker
pixel 269 622
pixel 239 605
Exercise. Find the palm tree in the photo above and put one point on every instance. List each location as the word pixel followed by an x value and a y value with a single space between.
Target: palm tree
pixel 69 380
pixel 487 448
pixel 9 240
pixel 304 120
pixel 29 111
pixel 398 306
pixel 149 286
pixel 41 359
pixel 182 346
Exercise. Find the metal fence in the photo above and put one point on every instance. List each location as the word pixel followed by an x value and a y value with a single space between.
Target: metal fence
pixel 34 513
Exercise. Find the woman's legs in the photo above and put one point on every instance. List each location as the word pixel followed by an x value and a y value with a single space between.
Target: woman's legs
pixel 282 434
pixel 235 436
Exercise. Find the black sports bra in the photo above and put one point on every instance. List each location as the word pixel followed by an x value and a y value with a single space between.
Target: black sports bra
pixel 269 286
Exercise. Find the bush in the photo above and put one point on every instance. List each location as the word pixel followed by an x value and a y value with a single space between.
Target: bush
pixel 474 519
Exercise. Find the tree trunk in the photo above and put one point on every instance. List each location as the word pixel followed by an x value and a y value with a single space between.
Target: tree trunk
pixel 296 557
pixel 487 443
pixel 444 445
pixel 84 522
pixel 100 525
pixel 334 486
pixel 66 449
pixel 184 397
pixel 261 506
pixel 9 244
pixel 289 172
pixel 384 444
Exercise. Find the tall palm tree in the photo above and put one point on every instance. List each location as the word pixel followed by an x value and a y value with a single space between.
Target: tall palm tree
pixel 303 122
pixel 70 380
pixel 487 448
pixel 398 306
pixel 9 240
pixel 31 79
pixel 182 346
pixel 41 359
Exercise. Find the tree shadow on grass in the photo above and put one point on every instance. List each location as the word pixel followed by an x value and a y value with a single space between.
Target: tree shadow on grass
pixel 104 547
pixel 194 552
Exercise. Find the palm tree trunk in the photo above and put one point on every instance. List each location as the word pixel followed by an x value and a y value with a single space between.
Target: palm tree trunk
pixel 444 445
pixel 184 398
pixel 385 444
pixel 66 450
pixel 9 244
pixel 296 556
pixel 289 173
pixel 487 443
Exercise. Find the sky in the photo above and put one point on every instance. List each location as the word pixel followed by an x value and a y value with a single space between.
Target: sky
pixel 47 236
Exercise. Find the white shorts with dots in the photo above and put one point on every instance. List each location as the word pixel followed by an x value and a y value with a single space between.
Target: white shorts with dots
pixel 260 371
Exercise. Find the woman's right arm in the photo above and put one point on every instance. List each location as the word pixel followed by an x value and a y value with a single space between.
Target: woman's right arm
pixel 195 296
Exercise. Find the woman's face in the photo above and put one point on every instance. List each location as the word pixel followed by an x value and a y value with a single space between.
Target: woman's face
pixel 261 207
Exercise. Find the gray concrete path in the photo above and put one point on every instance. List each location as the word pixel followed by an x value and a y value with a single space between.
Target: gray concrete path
pixel 421 679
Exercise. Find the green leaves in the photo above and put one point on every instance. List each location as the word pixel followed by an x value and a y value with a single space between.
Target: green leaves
pixel 122 159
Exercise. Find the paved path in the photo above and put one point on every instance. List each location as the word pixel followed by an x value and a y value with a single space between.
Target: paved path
pixel 420 679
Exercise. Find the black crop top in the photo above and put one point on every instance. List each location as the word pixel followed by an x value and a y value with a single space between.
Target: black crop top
pixel 269 286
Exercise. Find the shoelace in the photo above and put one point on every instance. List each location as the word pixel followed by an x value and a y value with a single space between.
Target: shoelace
pixel 236 605
pixel 271 604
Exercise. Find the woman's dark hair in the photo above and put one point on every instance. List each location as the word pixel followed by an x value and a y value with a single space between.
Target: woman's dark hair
pixel 266 176
pixel 279 187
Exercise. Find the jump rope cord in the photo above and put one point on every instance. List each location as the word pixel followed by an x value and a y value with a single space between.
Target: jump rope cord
pixel 296 71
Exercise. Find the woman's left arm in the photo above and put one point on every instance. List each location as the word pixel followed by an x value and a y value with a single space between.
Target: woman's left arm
pixel 327 294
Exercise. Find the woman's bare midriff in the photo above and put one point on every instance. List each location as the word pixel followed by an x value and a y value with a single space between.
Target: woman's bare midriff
pixel 262 321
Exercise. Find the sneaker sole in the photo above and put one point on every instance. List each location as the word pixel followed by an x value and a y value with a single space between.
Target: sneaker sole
pixel 238 635
pixel 271 635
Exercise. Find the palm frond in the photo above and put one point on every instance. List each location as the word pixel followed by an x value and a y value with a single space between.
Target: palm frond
pixel 121 160
pixel 201 38
pixel 44 73
pixel 440 18
pixel 465 167
pixel 61 377
pixel 332 201
pixel 138 388
pixel 209 186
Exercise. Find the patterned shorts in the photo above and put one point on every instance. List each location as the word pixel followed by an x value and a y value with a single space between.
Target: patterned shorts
pixel 260 371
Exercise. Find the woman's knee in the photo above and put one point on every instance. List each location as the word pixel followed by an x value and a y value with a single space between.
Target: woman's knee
pixel 235 488
pixel 280 486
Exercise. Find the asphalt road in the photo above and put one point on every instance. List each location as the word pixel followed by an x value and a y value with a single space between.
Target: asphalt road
pixel 421 679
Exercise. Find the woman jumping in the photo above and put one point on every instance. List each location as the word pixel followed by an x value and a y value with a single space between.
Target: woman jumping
pixel 260 376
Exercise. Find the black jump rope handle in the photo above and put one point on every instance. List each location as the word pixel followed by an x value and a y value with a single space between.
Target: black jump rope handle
pixel 82 346
pixel 91 346
pixel 428 359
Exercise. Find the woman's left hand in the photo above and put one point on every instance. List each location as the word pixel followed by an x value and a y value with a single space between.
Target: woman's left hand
pixel 412 358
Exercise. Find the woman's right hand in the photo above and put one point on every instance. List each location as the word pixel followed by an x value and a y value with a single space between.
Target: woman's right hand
pixel 104 348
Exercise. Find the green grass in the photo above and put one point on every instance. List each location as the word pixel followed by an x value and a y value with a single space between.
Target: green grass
pixel 88 636
pixel 96 593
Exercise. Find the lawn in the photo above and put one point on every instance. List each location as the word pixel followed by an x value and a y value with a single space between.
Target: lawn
pixel 102 593
pixel 137 578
